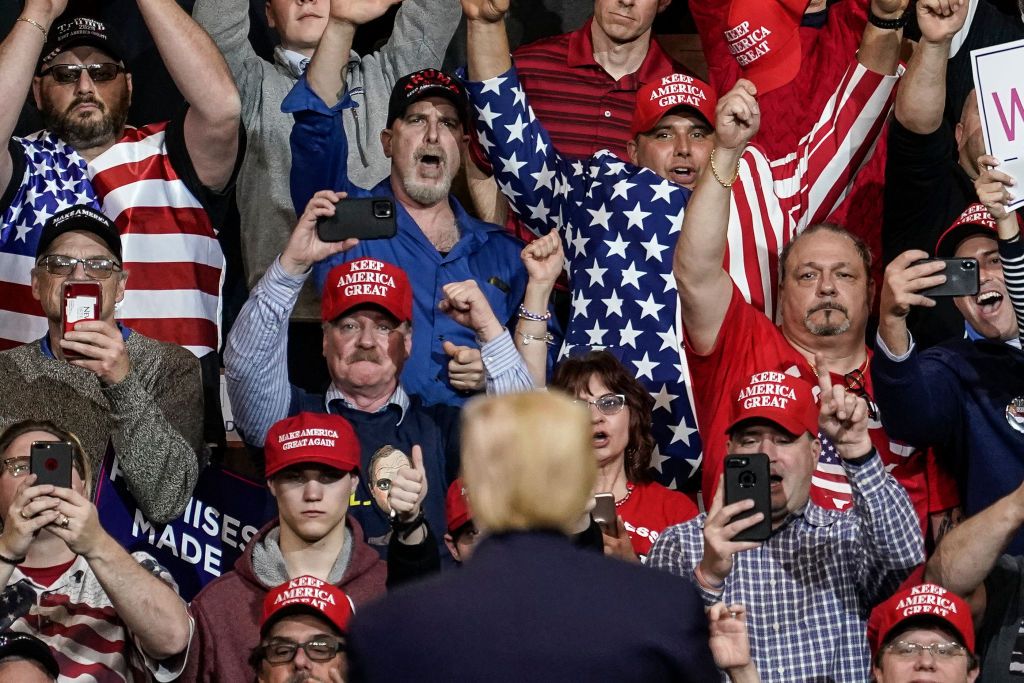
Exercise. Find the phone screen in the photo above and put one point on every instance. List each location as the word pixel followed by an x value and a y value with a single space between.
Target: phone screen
pixel 82 301
pixel 604 513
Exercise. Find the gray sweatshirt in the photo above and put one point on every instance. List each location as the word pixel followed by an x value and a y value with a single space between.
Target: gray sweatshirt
pixel 419 39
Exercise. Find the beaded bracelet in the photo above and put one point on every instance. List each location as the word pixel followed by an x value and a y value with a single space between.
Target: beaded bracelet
pixel 13 561
pixel 536 317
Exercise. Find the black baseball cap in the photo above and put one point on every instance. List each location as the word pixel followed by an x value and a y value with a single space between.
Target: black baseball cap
pixel 83 219
pixel 25 646
pixel 71 31
pixel 427 83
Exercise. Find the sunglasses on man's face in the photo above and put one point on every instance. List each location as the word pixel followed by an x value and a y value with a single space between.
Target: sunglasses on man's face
pixel 70 73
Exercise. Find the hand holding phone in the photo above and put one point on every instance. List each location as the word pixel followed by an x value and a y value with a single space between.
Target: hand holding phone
pixel 81 301
pixel 962 277
pixel 747 477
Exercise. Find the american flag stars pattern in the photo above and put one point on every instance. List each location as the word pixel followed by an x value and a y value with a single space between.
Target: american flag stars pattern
pixel 619 225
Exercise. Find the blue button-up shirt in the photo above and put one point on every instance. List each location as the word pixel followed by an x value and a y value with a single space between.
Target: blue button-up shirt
pixel 485 252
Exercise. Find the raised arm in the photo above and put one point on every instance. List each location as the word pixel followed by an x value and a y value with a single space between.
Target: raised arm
pixel 544 260
pixel 255 356
pixel 922 94
pixel 968 553
pixel 487 41
pixel 19 54
pixel 995 190
pixel 227 22
pixel 328 68
pixel 704 285
pixel 201 74
pixel 880 47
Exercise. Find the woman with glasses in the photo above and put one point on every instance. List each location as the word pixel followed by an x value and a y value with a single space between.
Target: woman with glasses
pixel 620 412
pixel 106 615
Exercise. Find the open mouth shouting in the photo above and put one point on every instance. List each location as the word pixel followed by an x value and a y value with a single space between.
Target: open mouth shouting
pixel 989 302
pixel 683 175
pixel 599 439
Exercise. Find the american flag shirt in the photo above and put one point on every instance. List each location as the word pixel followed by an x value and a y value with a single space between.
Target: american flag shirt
pixel 619 224
pixel 145 183
pixel 809 588
pixel 48 176
pixel 75 618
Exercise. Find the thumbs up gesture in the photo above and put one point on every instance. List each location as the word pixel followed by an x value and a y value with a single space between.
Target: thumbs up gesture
pixel 409 488
pixel 465 367
pixel 843 417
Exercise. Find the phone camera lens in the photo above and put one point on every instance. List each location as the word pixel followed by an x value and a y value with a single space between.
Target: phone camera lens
pixel 968 265
pixel 50 464
pixel 381 210
pixel 747 479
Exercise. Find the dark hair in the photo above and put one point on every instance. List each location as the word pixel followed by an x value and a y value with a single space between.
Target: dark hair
pixel 573 377
pixel 79 461
pixel 862 248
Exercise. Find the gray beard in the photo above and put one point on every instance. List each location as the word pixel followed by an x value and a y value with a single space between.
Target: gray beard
pixel 426 194
pixel 827 330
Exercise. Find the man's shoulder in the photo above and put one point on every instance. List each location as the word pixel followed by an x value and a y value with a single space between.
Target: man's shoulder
pixel 230 588
pixel 545 49
pixel 141 347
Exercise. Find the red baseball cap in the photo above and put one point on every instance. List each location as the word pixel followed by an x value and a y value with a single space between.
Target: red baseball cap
pixel 924 600
pixel 366 281
pixel 456 507
pixel 318 438
pixel 764 37
pixel 307 594
pixel 975 220
pixel 783 399
pixel 655 100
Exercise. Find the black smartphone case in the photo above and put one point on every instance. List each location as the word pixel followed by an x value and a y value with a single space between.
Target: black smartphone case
pixel 962 278
pixel 365 218
pixel 50 461
pixel 747 476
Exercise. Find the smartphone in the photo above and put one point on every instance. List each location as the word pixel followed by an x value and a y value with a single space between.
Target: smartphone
pixel 962 278
pixel 746 476
pixel 50 461
pixel 366 218
pixel 604 513
pixel 82 301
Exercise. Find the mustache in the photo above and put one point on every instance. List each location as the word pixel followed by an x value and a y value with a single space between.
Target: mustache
pixel 829 304
pixel 368 355
pixel 86 99
pixel 431 150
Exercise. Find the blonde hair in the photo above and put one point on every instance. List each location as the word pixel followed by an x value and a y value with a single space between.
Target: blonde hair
pixel 527 461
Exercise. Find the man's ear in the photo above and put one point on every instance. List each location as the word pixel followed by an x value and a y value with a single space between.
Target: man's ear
pixel 36 294
pixel 385 142
pixel 663 5
pixel 270 16
pixel 958 133
pixel 128 82
pixel 37 85
pixel 631 148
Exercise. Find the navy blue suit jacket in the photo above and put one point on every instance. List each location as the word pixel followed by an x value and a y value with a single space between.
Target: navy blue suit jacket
pixel 531 607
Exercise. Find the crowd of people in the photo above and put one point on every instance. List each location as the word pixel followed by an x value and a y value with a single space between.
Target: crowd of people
pixel 763 271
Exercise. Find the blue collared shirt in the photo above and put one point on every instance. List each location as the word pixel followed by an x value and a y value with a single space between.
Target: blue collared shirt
pixel 485 252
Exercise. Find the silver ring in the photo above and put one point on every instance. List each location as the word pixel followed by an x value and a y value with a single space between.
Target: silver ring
pixel 23 515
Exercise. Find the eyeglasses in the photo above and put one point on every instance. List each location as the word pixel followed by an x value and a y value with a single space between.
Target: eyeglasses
pixel 903 648
pixel 609 404
pixel 319 649
pixel 856 384
pixel 17 467
pixel 95 268
pixel 70 73
pixel 349 328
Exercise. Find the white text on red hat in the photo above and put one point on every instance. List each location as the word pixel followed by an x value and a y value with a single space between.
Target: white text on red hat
pixel 366 279
pixel 767 391
pixel 308 590
pixel 926 599
pixel 748 45
pixel 308 437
